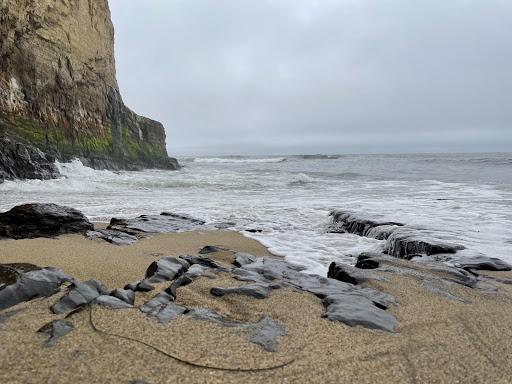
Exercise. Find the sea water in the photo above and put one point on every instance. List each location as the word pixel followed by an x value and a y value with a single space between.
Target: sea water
pixel 287 199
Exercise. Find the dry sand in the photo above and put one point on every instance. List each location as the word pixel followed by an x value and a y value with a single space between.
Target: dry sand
pixel 438 340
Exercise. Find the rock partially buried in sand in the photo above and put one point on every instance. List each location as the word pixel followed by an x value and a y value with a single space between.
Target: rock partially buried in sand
pixel 258 291
pixel 24 282
pixel 349 274
pixel 82 294
pixel 164 223
pixel 112 302
pixel 42 220
pixel 166 269
pixel 56 329
pixel 113 236
pixel 126 295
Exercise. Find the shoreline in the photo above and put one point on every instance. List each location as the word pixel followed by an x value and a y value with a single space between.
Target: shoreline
pixel 437 339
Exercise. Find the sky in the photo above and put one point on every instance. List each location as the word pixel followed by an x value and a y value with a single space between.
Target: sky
pixel 260 77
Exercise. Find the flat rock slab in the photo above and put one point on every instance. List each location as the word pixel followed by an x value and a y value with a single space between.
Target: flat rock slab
pixel 265 332
pixel 484 263
pixel 113 236
pixel 56 329
pixel 257 290
pixel 42 220
pixel 163 223
pixel 82 294
pixel 166 269
pixel 112 302
pixel 351 275
pixel 20 283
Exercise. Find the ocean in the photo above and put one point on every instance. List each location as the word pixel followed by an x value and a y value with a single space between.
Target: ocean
pixel 285 200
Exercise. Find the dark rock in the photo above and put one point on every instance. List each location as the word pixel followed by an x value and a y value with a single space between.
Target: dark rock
pixel 483 263
pixel 265 332
pixel 56 329
pixel 258 291
pixel 144 286
pixel 112 302
pixel 42 220
pixel 126 295
pixel 163 223
pixel 349 274
pixel 254 230
pixel 366 262
pixel 82 294
pixel 21 282
pixel 204 261
pixel 163 308
pixel 242 259
pixel 131 286
pixel 179 282
pixel 113 236
pixel 343 221
pixel 21 161
pixel 166 269
pixel 210 249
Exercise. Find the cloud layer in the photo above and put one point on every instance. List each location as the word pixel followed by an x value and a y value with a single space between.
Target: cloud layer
pixel 311 76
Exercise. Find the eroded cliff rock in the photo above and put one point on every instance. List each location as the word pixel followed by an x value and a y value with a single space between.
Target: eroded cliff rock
pixel 58 88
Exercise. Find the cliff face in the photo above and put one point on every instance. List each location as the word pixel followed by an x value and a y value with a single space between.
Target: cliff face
pixel 58 88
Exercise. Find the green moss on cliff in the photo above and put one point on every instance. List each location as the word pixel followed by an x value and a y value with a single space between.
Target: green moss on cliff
pixel 136 151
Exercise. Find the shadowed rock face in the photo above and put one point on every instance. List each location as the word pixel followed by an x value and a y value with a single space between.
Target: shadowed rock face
pixel 58 88
pixel 42 220
pixel 20 161
pixel 24 282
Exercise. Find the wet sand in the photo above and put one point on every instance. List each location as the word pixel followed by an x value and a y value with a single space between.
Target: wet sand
pixel 438 340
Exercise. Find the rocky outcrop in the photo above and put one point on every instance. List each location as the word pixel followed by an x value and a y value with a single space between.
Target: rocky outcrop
pixel 42 220
pixel 58 88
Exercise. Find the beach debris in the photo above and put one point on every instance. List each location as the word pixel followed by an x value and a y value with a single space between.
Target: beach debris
pixel 79 295
pixel 42 220
pixel 24 282
pixel 56 329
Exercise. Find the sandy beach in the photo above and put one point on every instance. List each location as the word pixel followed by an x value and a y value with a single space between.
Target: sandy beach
pixel 438 340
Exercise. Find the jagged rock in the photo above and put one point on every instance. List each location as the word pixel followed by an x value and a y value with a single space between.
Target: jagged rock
pixel 24 282
pixel 80 295
pixel 113 237
pixel 258 291
pixel 265 332
pixel 242 259
pixel 42 220
pixel 166 269
pixel 348 274
pixel 163 223
pixel 204 261
pixel 343 221
pixel 163 308
pixel 483 263
pixel 179 282
pixel 144 286
pixel 21 161
pixel 131 286
pixel 58 88
pixel 56 329
pixel 112 302
pixel 126 295
pixel 366 262
pixel 370 310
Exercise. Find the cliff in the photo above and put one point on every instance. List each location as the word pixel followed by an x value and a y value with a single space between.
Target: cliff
pixel 58 87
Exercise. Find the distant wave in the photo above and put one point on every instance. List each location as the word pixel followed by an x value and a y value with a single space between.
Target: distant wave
pixel 318 157
pixel 239 160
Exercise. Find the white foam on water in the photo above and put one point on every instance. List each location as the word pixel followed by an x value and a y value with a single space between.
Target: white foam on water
pixel 239 160
pixel 288 201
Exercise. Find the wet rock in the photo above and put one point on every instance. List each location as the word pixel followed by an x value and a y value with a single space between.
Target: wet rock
pixel 144 286
pixel 367 262
pixel 163 223
pixel 349 222
pixel 483 263
pixel 56 329
pixel 82 294
pixel 21 161
pixel 113 236
pixel 258 291
pixel 22 282
pixel 42 220
pixel 166 269
pixel 406 243
pixel 126 295
pixel 242 259
pixel 265 332
pixel 112 302
pixel 349 274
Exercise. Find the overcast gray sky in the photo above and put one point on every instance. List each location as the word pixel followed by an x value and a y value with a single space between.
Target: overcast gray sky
pixel 319 76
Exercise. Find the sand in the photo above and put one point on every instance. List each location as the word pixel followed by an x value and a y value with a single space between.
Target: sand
pixel 438 340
